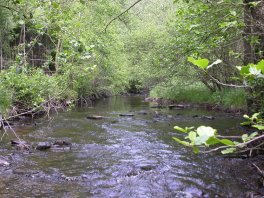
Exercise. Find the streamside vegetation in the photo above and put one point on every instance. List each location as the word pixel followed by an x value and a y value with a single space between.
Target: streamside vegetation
pixel 56 53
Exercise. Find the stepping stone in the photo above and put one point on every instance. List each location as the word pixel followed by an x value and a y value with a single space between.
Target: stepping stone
pixel 126 115
pixel 95 117
pixel 208 117
pixel 43 146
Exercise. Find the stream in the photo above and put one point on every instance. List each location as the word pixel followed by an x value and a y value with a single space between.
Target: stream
pixel 122 156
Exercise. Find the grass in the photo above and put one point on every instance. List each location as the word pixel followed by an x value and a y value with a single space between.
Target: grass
pixel 199 93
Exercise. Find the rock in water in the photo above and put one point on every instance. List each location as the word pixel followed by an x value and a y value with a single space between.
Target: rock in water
pixel 16 142
pixel 62 143
pixel 95 117
pixel 126 115
pixel 43 146
pixel 178 106
pixel 208 117
pixel 142 112
pixel 21 145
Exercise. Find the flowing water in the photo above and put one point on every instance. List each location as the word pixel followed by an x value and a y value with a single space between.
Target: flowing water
pixel 122 156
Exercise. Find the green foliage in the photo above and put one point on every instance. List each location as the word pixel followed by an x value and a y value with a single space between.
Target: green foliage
pixel 30 88
pixel 205 137
pixel 230 98
pixel 85 61
pixel 199 93
pixel 5 100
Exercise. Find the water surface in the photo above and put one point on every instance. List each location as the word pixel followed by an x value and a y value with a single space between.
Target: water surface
pixel 122 156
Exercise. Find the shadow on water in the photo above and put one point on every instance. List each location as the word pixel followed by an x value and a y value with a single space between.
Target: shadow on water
pixel 122 156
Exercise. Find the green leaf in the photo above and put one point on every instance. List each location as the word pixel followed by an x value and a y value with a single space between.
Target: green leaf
pixel 202 63
pixel 212 141
pixel 227 142
pixel 205 131
pixel 252 135
pixel 192 136
pixel 244 137
pixel 180 129
pixel 196 150
pixel 260 66
pixel 244 71
pixel 182 142
pixel 246 116
pixel 247 123
pixel 259 127
pixel 204 134
pixel 228 150
pixel 255 116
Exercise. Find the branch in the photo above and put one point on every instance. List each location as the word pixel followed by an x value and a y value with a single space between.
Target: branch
pixel 109 23
pixel 224 84
pixel 236 146
pixel 259 170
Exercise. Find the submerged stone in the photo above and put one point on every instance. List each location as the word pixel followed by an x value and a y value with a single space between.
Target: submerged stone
pixel 208 117
pixel 43 146
pixel 142 112
pixel 16 142
pixel 62 143
pixel 95 117
pixel 126 115
pixel 178 106
pixel 147 168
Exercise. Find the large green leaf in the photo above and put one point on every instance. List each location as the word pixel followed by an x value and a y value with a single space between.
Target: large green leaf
pixel 212 141
pixel 202 63
pixel 260 66
pixel 227 142
pixel 205 131
pixel 244 71
pixel 204 134
pixel 192 136
pixel 259 127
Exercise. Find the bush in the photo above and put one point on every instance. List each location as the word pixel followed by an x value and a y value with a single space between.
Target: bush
pixel 29 88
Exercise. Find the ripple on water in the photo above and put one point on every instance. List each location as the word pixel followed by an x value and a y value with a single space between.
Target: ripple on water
pixel 120 157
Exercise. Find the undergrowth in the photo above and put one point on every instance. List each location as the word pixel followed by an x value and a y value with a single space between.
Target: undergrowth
pixel 198 93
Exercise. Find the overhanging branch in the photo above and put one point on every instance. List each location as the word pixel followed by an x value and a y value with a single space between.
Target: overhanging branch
pixel 115 18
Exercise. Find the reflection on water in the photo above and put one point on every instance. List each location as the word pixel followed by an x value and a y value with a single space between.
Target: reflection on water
pixel 121 156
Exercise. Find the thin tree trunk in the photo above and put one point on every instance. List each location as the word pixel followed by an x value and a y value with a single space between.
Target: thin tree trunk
pixel 24 45
pixel 1 56
pixel 248 51
pixel 254 51
pixel 57 54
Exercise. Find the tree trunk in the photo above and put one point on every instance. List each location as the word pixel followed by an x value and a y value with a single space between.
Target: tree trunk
pixel 253 32
pixel 248 51
pixel 254 47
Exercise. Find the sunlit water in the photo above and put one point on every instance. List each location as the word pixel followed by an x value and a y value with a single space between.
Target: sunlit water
pixel 121 156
